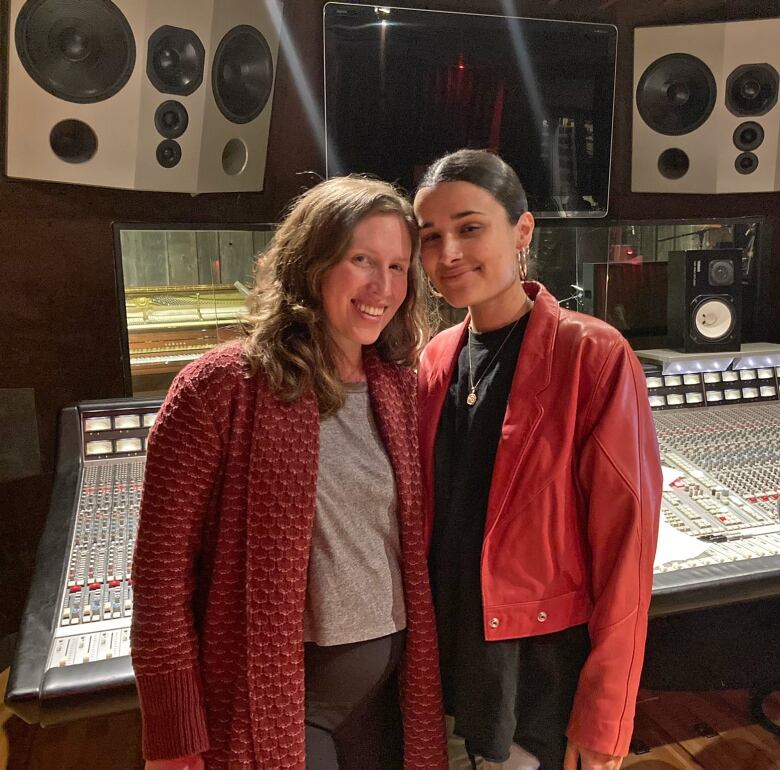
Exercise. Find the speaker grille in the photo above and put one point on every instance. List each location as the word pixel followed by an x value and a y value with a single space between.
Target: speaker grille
pixel 676 94
pixel 175 61
pixel 81 51
pixel 242 74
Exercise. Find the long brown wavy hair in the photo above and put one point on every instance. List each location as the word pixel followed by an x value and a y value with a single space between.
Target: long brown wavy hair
pixel 285 329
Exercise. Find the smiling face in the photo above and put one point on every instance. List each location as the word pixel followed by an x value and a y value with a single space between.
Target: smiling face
pixel 363 291
pixel 469 247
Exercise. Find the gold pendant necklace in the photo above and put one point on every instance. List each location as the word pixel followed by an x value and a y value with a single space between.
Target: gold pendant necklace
pixel 471 399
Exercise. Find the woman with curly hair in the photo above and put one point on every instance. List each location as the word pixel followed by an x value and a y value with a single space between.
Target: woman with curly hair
pixel 280 575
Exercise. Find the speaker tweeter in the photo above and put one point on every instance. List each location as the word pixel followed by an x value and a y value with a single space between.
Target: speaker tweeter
pixel 168 153
pixel 748 135
pixel 171 119
pixel 746 163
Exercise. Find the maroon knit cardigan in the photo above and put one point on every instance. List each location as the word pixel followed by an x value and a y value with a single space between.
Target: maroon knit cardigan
pixel 221 561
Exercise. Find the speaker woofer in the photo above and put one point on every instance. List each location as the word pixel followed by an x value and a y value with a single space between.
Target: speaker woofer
pixel 752 89
pixel 73 141
pixel 676 94
pixel 713 318
pixel 242 75
pixel 168 153
pixel 748 135
pixel 175 60
pixel 81 51
pixel 673 163
pixel 171 119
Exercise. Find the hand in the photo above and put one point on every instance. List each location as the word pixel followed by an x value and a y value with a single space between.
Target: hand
pixel 192 762
pixel 590 760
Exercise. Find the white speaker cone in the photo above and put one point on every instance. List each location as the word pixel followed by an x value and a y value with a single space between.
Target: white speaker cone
pixel 713 319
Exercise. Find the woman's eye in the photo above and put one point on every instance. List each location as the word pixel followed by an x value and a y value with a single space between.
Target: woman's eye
pixel 360 259
pixel 400 268
pixel 471 228
pixel 430 237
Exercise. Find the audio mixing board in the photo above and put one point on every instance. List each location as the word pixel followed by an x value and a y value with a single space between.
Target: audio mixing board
pixel 73 654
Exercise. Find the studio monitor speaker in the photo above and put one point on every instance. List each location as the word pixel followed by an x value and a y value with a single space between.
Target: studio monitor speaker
pixel 706 113
pixel 142 94
pixel 704 300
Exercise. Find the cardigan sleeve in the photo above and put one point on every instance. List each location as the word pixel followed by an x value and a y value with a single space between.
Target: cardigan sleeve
pixel 619 474
pixel 182 465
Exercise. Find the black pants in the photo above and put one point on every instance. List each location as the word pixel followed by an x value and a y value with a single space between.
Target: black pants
pixel 353 720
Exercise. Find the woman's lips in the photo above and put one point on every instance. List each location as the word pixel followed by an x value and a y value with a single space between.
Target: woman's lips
pixel 455 274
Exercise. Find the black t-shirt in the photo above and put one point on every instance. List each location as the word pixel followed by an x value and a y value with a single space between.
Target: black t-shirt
pixel 484 682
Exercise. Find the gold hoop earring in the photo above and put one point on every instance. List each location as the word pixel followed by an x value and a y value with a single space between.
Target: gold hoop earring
pixel 432 290
pixel 522 261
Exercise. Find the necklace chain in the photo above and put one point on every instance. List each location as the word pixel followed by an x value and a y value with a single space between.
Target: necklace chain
pixel 471 399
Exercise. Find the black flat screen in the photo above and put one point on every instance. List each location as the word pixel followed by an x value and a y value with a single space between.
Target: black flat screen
pixel 404 86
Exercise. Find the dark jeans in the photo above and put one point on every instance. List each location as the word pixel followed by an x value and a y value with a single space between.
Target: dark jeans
pixel 353 720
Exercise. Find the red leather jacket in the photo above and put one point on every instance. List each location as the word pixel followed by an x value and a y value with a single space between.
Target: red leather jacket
pixel 572 516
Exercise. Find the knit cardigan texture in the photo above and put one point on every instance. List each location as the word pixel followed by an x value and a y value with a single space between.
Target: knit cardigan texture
pixel 220 568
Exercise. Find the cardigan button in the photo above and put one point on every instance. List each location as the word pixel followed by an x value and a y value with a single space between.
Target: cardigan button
pixel 494 622
pixel 541 617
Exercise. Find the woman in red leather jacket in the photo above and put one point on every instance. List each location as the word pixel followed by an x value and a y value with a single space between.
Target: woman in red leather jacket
pixel 540 458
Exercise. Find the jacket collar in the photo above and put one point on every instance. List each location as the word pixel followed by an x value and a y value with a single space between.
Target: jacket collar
pixel 532 375
pixel 535 365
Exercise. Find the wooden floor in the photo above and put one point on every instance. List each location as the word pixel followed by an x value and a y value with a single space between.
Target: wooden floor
pixel 702 731
pixel 680 731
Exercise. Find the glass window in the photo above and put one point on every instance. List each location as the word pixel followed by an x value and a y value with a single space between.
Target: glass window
pixel 184 292
pixel 618 271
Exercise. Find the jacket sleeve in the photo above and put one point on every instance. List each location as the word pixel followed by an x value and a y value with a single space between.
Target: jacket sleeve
pixel 619 475
pixel 182 464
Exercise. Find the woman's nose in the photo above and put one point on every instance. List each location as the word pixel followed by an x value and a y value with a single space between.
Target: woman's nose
pixel 381 280
pixel 450 249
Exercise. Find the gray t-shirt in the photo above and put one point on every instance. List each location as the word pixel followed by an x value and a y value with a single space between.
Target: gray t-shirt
pixel 354 591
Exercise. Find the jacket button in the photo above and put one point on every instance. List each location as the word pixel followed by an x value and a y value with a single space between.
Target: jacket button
pixel 495 622
pixel 541 617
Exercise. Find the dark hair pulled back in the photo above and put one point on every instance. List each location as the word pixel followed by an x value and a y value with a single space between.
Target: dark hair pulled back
pixel 483 169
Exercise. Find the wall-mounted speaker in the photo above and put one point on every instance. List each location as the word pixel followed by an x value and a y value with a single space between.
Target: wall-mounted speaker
pixel 706 114
pixel 141 94
pixel 704 300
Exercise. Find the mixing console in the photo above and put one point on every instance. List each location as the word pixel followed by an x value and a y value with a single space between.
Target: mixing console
pixel 79 644
pixel 726 493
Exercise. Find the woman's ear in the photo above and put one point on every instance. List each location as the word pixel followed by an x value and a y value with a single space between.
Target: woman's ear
pixel 524 229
